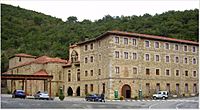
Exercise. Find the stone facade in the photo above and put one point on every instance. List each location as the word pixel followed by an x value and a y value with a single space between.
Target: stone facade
pixel 129 62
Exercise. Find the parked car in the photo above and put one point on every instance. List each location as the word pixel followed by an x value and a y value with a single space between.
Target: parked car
pixel 161 95
pixel 41 95
pixel 18 94
pixel 93 97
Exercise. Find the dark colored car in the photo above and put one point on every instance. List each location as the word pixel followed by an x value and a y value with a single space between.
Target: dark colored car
pixel 93 97
pixel 19 94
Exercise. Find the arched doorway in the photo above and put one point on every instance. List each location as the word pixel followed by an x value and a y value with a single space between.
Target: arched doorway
pixel 69 91
pixel 78 91
pixel 126 91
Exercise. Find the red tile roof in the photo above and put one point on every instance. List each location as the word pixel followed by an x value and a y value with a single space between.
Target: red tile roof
pixel 23 55
pixel 41 72
pixel 131 34
pixel 42 60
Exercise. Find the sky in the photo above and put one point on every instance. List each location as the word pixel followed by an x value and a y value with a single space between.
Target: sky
pixel 94 9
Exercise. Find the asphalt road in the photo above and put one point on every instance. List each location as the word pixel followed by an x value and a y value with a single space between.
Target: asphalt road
pixel 79 103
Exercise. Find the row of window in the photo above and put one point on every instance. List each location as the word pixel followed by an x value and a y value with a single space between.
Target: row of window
pixel 78 74
pixel 168 87
pixel 92 88
pixel 156 57
pixel 158 72
pixel 156 44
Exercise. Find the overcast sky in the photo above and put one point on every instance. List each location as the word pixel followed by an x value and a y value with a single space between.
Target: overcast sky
pixel 94 10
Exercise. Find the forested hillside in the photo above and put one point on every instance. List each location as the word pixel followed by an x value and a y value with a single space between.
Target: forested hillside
pixel 25 31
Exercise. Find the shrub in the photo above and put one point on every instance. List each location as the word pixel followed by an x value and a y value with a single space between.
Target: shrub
pixel 61 95
pixel 135 97
pixel 121 98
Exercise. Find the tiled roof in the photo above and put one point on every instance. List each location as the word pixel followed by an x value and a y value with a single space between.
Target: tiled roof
pixel 23 55
pixel 131 34
pixel 41 72
pixel 42 60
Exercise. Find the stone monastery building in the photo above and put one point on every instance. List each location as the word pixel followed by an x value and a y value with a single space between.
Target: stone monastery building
pixel 119 62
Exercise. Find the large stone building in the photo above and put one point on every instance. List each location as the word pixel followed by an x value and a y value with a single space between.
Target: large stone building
pixel 117 62
pixel 128 62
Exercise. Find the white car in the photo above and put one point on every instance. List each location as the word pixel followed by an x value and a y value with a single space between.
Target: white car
pixel 41 95
pixel 161 95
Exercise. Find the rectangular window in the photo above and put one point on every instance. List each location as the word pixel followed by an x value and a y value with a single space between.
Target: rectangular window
pixel 193 49
pixel 185 48
pixel 85 47
pixel 177 73
pixel 147 71
pixel 91 46
pixel 167 59
pixel 126 41
pixel 99 71
pixel 147 44
pixel 125 55
pixel 147 57
pixel 157 71
pixel 167 46
pixel 156 45
pixel 176 59
pixel 78 76
pixel 186 73
pixel 116 54
pixel 177 88
pixel 91 87
pixel 91 59
pixel 176 47
pixel 134 70
pixel 69 77
pixel 134 42
pixel 185 60
pixel 194 61
pixel 157 58
pixel 134 56
pixel 167 72
pixel 117 40
pixel 194 88
pixel 86 60
pixel 194 73
pixel 117 70
pixel 91 72
pixel 86 73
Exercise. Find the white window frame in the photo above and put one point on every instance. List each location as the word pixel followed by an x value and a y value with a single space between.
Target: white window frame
pixel 193 61
pixel 166 46
pixel 124 40
pixel 187 60
pixel 193 74
pixel 149 70
pixel 125 55
pixel 187 71
pixel 135 41
pixel 159 57
pixel 118 40
pixel 195 49
pixel 135 67
pixel 117 71
pixel 184 48
pixel 155 44
pixel 115 54
pixel 175 72
pixel 175 47
pixel 166 58
pixel 145 43
pixel 166 72
pixel 136 56
pixel 175 59
pixel 145 57
pixel 159 72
